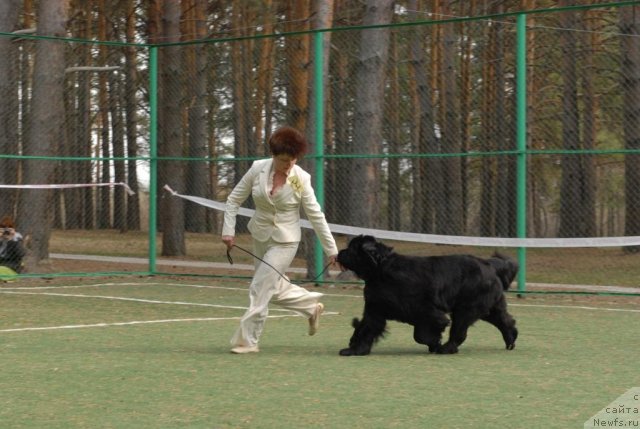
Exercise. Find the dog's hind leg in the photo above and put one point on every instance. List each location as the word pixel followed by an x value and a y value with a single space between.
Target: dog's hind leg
pixel 429 331
pixel 501 319
pixel 461 319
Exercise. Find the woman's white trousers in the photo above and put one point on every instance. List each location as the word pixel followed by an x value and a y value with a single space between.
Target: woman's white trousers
pixel 267 285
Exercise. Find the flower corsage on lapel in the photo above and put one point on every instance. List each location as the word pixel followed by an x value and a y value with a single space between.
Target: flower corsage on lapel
pixel 296 184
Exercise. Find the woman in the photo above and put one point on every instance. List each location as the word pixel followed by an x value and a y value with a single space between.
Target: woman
pixel 279 187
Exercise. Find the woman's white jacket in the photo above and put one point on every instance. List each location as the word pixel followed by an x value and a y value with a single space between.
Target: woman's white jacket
pixel 278 216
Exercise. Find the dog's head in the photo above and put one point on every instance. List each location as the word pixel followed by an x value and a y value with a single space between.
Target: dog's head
pixel 363 255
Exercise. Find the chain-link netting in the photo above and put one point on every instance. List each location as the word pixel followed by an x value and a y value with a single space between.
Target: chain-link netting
pixel 420 132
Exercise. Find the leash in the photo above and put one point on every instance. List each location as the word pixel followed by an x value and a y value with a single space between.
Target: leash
pixel 230 259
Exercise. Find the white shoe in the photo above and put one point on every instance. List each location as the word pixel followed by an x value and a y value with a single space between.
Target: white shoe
pixel 245 349
pixel 314 321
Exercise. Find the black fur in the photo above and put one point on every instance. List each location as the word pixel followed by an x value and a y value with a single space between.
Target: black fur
pixel 422 291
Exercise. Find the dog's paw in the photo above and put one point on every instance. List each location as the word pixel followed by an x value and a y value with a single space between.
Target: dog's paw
pixel 354 352
pixel 347 352
pixel 511 342
pixel 447 349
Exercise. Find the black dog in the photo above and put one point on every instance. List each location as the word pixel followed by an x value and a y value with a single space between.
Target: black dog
pixel 421 291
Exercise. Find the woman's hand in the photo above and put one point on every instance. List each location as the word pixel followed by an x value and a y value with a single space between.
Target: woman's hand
pixel 228 240
pixel 333 260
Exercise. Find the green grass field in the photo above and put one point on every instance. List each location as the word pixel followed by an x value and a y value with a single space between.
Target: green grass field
pixel 154 353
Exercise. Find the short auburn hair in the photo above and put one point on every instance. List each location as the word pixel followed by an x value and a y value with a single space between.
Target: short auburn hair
pixel 7 222
pixel 289 141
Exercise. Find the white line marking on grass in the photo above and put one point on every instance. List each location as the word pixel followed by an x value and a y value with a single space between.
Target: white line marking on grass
pixel 577 307
pixel 77 286
pixel 9 290
pixel 203 286
pixel 120 298
pixel 623 289
pixel 594 288
pixel 135 322
pixel 124 284
pixel 143 322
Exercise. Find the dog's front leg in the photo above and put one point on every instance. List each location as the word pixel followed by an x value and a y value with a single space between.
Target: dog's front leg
pixel 366 332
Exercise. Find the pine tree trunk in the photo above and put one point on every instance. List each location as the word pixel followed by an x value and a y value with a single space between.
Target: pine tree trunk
pixel 197 182
pixel 104 199
pixel 450 209
pixel 298 58
pixel 131 118
pixel 170 142
pixel 44 130
pixel 367 133
pixel 9 107
pixel 630 73
pixel 426 172
pixel 570 204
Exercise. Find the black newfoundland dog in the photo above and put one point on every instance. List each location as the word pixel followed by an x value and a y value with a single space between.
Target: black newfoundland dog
pixel 422 291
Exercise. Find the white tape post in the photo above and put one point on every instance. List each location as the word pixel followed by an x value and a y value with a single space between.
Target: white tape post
pixel 441 239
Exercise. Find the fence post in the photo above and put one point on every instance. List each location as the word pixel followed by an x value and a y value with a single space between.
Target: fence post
pixel 153 155
pixel 318 62
pixel 521 141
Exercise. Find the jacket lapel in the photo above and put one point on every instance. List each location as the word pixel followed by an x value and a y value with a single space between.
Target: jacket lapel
pixel 264 179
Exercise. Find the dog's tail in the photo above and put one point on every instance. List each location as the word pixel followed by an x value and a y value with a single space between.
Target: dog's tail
pixel 506 268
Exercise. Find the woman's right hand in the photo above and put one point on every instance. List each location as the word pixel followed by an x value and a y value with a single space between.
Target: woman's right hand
pixel 228 240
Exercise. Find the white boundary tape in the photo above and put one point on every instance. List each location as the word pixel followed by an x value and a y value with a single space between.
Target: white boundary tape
pixel 68 186
pixel 441 239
